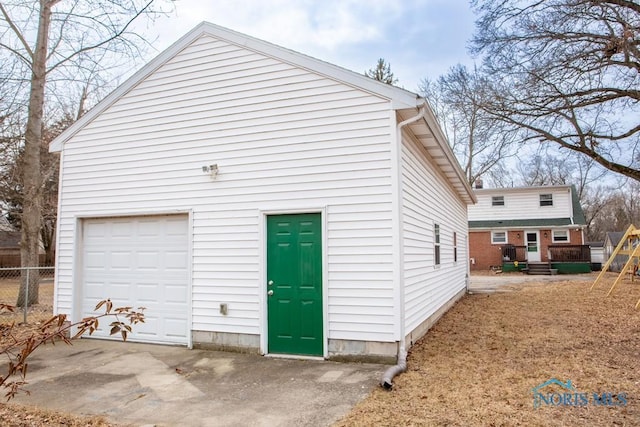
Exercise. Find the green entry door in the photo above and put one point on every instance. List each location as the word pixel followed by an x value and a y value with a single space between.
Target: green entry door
pixel 294 284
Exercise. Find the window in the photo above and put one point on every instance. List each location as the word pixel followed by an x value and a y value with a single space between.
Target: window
pixel 546 200
pixel 561 236
pixel 436 234
pixel 455 247
pixel 497 201
pixel 498 237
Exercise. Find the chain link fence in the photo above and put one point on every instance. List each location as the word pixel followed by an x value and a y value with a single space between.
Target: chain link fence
pixel 32 303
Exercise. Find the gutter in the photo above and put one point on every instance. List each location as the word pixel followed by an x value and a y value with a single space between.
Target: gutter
pixel 401 365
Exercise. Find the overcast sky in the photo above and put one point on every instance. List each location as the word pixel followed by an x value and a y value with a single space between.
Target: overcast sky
pixel 419 38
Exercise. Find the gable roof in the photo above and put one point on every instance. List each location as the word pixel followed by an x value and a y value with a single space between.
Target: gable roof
pixel 578 213
pixel 614 237
pixel 406 103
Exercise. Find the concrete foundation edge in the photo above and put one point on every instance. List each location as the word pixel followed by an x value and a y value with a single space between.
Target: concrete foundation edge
pixel 338 349
pixel 226 341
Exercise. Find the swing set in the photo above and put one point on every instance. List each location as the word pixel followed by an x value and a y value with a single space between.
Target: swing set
pixel 629 245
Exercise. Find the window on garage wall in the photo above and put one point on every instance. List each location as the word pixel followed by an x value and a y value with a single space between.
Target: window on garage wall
pixel 436 246
pixel 455 247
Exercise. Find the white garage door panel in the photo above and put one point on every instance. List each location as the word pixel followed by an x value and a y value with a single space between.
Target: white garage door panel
pixel 139 262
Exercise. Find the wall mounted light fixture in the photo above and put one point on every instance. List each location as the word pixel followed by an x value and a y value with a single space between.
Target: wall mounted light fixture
pixel 212 170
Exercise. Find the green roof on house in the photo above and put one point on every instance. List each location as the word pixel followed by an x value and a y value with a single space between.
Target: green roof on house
pixel 513 223
pixel 578 213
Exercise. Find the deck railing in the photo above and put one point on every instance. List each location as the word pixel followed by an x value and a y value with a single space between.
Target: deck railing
pixel 512 253
pixel 569 253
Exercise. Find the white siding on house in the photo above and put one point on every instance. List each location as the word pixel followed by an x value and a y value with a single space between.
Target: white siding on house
pixel 283 139
pixel 521 203
pixel 427 199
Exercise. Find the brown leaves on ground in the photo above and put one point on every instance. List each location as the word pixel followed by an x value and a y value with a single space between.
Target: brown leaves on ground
pixel 18 341
pixel 479 363
pixel 13 415
pixel 25 416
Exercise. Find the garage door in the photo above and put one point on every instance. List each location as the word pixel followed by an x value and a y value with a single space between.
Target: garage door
pixel 139 262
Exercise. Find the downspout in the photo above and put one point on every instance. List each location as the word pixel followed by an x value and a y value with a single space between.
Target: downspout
pixel 387 378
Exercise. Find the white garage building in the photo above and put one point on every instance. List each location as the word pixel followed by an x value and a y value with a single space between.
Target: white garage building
pixel 254 198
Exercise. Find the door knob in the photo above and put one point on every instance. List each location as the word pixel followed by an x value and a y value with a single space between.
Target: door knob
pixel 270 292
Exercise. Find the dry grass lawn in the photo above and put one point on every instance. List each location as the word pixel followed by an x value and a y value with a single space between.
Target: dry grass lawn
pixel 9 288
pixel 478 365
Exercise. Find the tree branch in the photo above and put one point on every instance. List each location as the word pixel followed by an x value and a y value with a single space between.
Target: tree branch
pixel 18 34
pixel 116 35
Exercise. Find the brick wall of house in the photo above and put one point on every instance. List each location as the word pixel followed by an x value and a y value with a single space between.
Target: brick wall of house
pixel 545 241
pixel 485 255
pixel 576 237
pixel 482 252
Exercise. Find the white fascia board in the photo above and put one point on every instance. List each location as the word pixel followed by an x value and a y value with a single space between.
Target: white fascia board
pixel 398 98
pixel 443 143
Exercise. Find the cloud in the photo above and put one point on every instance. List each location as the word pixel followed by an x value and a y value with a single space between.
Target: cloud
pixel 418 37
pixel 325 25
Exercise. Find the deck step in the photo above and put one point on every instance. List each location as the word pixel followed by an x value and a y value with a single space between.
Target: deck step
pixel 541 269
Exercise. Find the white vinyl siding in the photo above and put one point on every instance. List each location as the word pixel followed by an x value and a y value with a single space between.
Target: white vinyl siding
pixel 428 200
pixel 523 203
pixel 284 139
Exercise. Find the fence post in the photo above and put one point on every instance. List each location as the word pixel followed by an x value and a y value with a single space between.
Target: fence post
pixel 26 297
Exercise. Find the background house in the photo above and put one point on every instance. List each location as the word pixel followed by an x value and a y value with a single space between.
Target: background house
pixel 597 255
pixel 527 225
pixel 9 248
pixel 611 240
pixel 10 239
pixel 254 198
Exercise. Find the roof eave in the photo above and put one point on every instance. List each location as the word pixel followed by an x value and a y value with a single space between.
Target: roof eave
pixel 436 144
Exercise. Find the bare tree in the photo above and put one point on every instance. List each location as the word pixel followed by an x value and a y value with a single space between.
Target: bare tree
pixel 479 141
pixel 541 169
pixel 597 191
pixel 382 73
pixel 71 37
pixel 566 72
pixel 11 184
pixel 616 209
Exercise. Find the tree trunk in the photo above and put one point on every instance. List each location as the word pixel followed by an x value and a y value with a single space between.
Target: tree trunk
pixel 31 179
pixel 48 236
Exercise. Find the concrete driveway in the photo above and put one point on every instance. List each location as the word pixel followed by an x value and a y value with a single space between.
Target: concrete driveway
pixel 513 282
pixel 143 384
